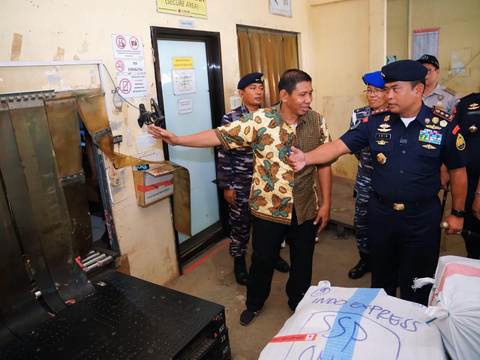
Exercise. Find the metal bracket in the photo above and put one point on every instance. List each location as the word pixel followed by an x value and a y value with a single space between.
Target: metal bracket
pixel 101 134
pixel 74 179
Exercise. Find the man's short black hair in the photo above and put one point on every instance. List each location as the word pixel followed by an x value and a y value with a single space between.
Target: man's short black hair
pixel 416 82
pixel 291 78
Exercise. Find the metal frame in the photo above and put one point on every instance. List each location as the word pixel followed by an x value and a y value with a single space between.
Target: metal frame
pixel 106 195
pixel 217 108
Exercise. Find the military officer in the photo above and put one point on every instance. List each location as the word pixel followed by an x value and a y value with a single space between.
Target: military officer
pixel 235 169
pixel 467 113
pixel 377 101
pixel 408 144
pixel 436 95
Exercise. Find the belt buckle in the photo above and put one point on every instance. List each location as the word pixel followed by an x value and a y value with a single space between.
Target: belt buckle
pixel 398 207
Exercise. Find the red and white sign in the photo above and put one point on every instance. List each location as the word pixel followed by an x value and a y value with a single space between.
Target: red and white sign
pixel 127 47
pixel 130 66
pixel 132 85
pixel 120 66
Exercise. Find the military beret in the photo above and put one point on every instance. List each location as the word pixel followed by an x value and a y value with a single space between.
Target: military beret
pixel 404 70
pixel 429 59
pixel 253 78
pixel 374 79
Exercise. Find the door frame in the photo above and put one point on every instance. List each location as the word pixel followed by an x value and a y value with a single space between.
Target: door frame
pixel 213 233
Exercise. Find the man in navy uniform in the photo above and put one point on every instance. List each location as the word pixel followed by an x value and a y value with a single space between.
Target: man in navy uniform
pixel 408 144
pixel 467 114
pixel 377 101
pixel 234 173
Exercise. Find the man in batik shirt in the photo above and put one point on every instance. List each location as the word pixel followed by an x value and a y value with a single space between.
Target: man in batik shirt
pixel 283 203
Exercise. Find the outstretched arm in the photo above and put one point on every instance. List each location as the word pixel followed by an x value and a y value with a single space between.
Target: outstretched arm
pixel 321 155
pixel 202 139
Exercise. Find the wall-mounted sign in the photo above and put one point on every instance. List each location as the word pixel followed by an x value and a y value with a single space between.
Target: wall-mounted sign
pixel 183 81
pixel 281 7
pixel 183 63
pixel 133 85
pixel 127 46
pixel 191 8
pixel 129 66
pixel 185 106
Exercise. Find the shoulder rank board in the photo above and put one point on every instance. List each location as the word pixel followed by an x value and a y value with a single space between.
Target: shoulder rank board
pixel 450 91
pixel 444 114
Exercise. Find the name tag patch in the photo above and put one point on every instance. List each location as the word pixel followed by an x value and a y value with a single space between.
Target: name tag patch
pixel 383 136
pixel 430 136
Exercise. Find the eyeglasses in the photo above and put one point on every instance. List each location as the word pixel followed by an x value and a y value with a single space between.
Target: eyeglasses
pixel 429 71
pixel 376 92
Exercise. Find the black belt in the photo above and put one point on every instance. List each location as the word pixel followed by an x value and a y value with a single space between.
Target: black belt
pixel 405 206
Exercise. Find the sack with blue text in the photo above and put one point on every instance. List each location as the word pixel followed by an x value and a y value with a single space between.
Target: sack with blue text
pixel 454 306
pixel 355 324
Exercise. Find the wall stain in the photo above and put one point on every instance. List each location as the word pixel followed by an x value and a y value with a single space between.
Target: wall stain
pixel 16 47
pixel 60 55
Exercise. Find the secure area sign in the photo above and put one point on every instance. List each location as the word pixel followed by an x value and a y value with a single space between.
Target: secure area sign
pixel 192 8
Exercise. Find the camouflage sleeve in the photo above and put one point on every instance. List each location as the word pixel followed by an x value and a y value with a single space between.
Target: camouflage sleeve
pixel 353 119
pixel 325 138
pixel 225 174
pixel 237 134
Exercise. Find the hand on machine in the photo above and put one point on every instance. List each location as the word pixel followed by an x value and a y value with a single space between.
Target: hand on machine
pixel 153 117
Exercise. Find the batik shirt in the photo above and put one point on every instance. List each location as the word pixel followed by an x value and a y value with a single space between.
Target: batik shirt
pixel 275 187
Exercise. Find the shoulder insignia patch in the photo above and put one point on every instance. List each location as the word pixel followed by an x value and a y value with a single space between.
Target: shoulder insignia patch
pixel 379 111
pixel 455 130
pixel 365 119
pixel 450 91
pixel 444 114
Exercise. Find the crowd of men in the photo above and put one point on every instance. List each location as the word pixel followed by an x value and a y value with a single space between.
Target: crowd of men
pixel 413 139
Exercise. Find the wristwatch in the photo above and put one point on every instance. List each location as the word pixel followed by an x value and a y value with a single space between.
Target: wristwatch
pixel 459 213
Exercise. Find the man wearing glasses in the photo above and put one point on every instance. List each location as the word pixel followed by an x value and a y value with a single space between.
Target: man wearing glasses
pixel 436 95
pixel 377 101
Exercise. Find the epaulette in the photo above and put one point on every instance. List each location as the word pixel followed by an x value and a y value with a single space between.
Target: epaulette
pixel 450 91
pixel 443 114
pixel 379 111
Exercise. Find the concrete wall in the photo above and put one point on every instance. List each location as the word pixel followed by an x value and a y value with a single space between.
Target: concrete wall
pixel 34 30
pixel 459 23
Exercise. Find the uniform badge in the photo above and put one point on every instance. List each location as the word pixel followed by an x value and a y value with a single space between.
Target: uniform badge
pixel 433 127
pixel 386 118
pixel 439 104
pixel 354 126
pixel 382 142
pixel 473 106
pixel 435 120
pixel 440 97
pixel 460 142
pixel 473 129
pixel 443 123
pixel 384 128
pixel 429 147
pixel 382 159
pixel 430 136
pixel 427 121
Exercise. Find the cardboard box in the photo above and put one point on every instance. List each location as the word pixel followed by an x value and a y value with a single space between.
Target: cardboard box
pixel 152 185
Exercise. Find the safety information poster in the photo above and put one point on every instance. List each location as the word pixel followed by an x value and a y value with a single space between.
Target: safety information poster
pixel 425 41
pixel 281 7
pixel 132 85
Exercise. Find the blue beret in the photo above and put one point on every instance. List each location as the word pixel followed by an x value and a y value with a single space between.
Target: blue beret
pixel 374 78
pixel 404 70
pixel 253 78
pixel 429 59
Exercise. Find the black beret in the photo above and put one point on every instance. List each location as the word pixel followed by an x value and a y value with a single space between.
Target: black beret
pixel 404 70
pixel 253 78
pixel 429 59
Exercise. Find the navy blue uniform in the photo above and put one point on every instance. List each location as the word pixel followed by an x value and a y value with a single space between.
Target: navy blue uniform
pixel 468 118
pixel 235 170
pixel 362 186
pixel 404 214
